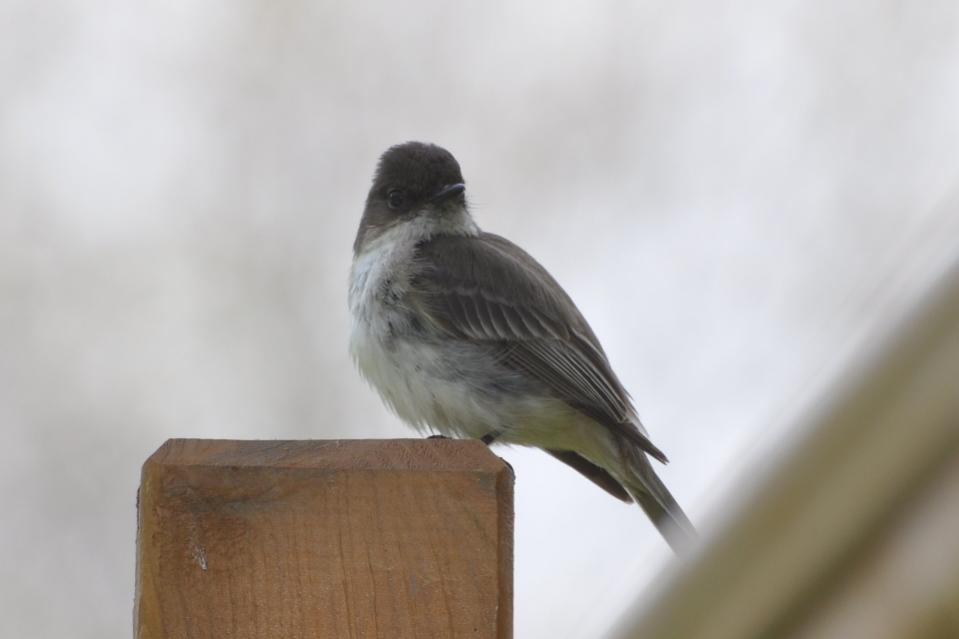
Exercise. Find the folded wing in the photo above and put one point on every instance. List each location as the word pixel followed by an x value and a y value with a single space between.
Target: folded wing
pixel 487 288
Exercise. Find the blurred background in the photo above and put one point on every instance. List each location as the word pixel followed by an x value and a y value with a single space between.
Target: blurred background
pixel 180 184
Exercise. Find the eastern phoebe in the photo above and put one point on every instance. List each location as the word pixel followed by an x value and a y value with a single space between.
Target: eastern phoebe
pixel 463 333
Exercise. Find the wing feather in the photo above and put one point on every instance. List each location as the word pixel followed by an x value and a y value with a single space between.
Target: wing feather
pixel 486 288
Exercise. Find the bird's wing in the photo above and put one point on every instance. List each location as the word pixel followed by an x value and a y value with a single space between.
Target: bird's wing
pixel 487 288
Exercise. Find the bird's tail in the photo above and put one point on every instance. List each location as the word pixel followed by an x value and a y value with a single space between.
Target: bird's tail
pixel 641 481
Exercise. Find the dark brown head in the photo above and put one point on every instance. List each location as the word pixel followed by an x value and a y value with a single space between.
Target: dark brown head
pixel 412 179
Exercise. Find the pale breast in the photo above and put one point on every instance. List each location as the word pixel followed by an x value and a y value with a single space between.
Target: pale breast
pixel 423 381
pixel 455 387
pixel 379 281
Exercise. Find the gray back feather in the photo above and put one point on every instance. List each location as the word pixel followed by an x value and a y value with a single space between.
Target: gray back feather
pixel 487 288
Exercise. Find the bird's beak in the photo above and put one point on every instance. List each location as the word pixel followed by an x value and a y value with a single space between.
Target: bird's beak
pixel 448 191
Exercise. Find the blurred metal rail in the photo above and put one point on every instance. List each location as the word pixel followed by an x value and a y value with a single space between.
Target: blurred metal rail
pixel 855 532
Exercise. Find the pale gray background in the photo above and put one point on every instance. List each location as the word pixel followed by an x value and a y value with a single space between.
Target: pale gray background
pixel 179 188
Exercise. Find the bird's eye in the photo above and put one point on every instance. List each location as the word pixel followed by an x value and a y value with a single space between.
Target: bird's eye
pixel 395 198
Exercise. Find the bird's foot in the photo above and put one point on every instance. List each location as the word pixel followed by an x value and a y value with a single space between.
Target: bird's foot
pixel 490 437
pixel 487 439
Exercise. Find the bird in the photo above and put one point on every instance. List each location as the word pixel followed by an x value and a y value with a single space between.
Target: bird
pixel 464 334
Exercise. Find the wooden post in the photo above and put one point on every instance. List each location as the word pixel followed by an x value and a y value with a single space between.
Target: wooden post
pixel 359 538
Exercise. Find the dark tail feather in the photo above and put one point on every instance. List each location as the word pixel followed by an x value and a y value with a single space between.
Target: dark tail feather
pixel 592 472
pixel 660 506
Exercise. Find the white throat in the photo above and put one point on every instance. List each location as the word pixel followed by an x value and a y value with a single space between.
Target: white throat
pixel 385 262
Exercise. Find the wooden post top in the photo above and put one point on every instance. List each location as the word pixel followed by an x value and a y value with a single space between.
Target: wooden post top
pixel 457 455
pixel 342 538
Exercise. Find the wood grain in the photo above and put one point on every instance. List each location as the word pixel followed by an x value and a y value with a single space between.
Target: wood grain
pixel 395 538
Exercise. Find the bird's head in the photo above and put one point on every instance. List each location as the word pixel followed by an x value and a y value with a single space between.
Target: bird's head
pixel 415 182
